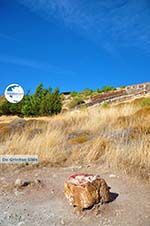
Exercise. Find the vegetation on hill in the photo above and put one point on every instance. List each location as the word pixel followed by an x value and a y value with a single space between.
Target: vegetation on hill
pixel 42 102
pixel 47 102
pixel 80 97
pixel 89 92
pixel 76 101
pixel 145 102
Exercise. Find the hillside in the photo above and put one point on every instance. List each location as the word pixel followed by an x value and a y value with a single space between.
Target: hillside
pixel 106 95
pixel 118 135
pixel 109 139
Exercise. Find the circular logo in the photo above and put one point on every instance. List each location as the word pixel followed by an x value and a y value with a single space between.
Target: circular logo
pixel 14 93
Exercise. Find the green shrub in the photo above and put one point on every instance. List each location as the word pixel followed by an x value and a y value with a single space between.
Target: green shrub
pixel 105 105
pixel 51 103
pixel 86 92
pixel 75 102
pixel 145 102
pixel 105 89
pixel 42 102
pixel 122 87
pixel 28 107
pixel 7 108
pixel 74 94
pixel 108 88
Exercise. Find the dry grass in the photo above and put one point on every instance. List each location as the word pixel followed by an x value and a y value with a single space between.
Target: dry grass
pixel 117 135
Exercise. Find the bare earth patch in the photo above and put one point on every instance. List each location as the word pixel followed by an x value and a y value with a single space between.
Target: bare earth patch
pixel 47 205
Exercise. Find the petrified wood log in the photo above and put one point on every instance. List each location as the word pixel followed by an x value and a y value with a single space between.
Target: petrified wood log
pixel 85 190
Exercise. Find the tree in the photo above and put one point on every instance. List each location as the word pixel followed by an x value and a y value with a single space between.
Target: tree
pixel 42 102
pixel 27 108
pixel 7 108
pixel 51 103
pixel 56 99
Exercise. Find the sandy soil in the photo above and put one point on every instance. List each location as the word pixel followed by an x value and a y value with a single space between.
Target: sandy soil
pixel 45 204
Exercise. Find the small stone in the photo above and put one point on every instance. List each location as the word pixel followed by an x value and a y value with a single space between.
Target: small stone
pixel 37 181
pixel 26 183
pixel 112 176
pixel 18 183
pixel 62 222
pixel 17 193
pixel 97 212
pixel 88 166
pixel 52 191
pixel 22 223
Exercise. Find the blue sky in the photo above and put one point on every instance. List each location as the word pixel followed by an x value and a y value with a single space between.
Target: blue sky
pixel 74 44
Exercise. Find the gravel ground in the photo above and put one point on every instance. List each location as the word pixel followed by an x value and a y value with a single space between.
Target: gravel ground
pixel 44 204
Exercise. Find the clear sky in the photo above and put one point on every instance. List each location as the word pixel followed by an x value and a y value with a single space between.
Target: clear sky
pixel 74 44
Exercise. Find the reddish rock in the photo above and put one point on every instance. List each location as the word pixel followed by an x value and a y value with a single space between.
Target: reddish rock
pixel 85 190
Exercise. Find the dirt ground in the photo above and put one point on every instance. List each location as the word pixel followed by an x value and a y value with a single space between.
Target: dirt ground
pixel 44 204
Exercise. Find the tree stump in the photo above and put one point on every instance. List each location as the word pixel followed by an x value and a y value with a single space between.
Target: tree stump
pixel 85 190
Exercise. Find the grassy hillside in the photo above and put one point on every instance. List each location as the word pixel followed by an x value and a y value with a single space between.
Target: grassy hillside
pixel 115 135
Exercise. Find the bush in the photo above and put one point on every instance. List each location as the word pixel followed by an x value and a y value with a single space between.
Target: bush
pixel 42 102
pixel 105 89
pixel 76 102
pixel 27 108
pixel 86 92
pixel 51 103
pixel 105 105
pixel 7 108
pixel 122 87
pixel 74 94
pixel 145 102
